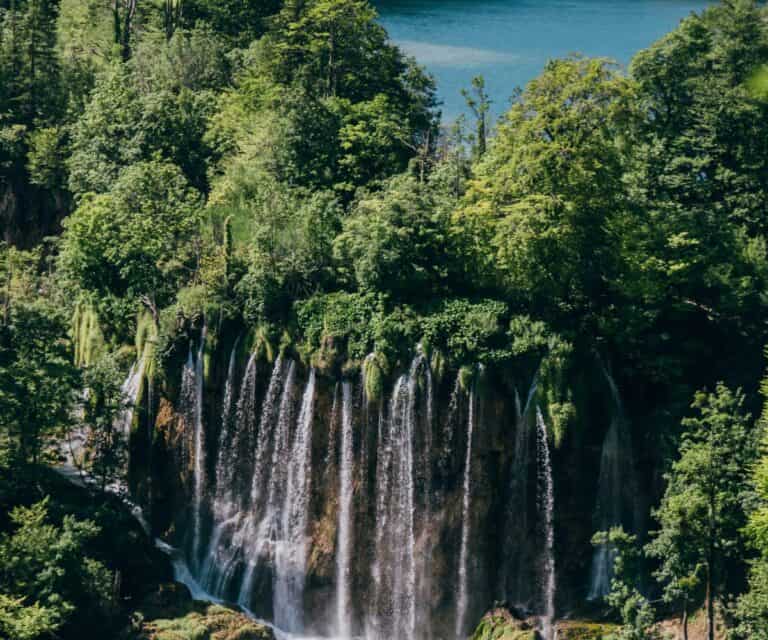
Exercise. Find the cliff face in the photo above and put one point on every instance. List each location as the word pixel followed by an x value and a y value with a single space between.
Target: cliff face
pixel 328 509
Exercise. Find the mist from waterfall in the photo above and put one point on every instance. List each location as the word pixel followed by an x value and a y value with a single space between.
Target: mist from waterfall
pixel 615 491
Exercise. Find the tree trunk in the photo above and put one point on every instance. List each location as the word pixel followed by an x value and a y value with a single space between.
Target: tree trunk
pixel 685 619
pixel 710 606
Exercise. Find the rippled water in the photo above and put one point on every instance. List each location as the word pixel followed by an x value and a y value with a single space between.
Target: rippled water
pixel 509 41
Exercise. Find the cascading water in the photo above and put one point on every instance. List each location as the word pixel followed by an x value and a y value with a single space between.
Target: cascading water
pixel 221 559
pixel 546 506
pixel 394 567
pixel 222 508
pixel 291 552
pixel 429 531
pixel 199 461
pixel 390 482
pixel 615 492
pixel 515 578
pixel 344 543
pixel 129 392
pixel 466 514
pixel 255 534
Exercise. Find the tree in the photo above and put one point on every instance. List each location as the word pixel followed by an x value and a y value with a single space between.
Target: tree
pixel 625 597
pixel 240 22
pixel 548 188
pixel 693 241
pixel 158 104
pixel 31 98
pixel 702 513
pixel 752 607
pixel 283 237
pixel 103 410
pixel 397 242
pixel 139 240
pixel 480 104
pixel 37 378
pixel 44 575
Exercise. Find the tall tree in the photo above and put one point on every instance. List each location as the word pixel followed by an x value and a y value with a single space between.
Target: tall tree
pixel 480 104
pixel 702 513
pixel 548 188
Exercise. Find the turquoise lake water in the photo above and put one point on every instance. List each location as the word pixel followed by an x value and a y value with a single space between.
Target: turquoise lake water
pixel 509 41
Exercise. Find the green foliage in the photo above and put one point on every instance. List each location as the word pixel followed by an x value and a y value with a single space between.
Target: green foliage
pixel 396 242
pixel 469 332
pixel 160 104
pixel 324 101
pixel 43 563
pixel 752 607
pixel 374 369
pixel 37 378
pixel 138 239
pixel 625 598
pixel 28 622
pixel 106 444
pixel 325 320
pixel 87 336
pixel 549 184
pixel 552 383
pixel 702 514
pixel 500 625
pixel 289 232
pixel 239 22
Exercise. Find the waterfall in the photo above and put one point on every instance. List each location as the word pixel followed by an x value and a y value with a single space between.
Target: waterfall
pixel 247 538
pixel 466 514
pixel 515 578
pixel 546 505
pixel 129 392
pixel 291 553
pixel 344 542
pixel 393 484
pixel 394 571
pixel 235 448
pixel 199 461
pixel 429 538
pixel 222 508
pixel 271 535
pixel 614 493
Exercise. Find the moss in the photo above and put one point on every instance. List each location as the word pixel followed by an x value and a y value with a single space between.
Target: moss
pixel 438 364
pixel 555 395
pixel 286 342
pixel 374 368
pixel 146 341
pixel 87 336
pixel 576 630
pixel 501 625
pixel 466 377
pixel 197 621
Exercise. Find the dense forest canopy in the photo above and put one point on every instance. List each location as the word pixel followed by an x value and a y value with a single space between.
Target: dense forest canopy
pixel 283 165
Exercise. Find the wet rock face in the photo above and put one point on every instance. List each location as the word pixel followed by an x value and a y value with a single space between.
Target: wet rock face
pixel 408 513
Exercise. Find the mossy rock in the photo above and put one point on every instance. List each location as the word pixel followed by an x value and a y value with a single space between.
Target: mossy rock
pixel 500 624
pixel 576 630
pixel 170 614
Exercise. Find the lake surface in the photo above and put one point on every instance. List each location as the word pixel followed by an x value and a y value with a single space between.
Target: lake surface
pixel 510 41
